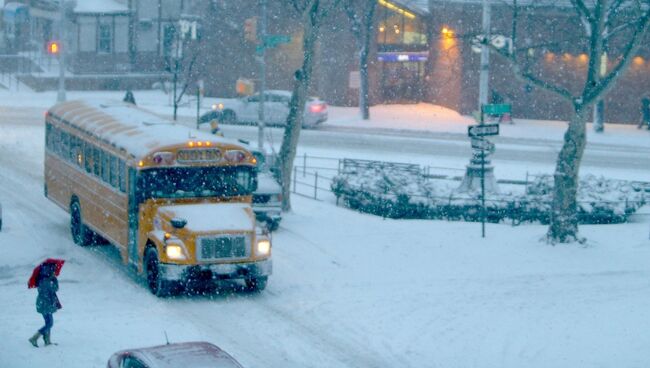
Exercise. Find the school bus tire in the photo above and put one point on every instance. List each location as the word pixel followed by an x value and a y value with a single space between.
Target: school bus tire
pixel 256 284
pixel 156 284
pixel 81 235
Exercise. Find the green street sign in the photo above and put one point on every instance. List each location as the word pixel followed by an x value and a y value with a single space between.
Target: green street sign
pixel 274 40
pixel 271 41
pixel 497 109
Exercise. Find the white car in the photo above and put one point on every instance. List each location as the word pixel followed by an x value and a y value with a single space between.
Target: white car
pixel 276 109
pixel 267 198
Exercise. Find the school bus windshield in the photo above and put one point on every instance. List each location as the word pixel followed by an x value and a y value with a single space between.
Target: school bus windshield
pixel 192 182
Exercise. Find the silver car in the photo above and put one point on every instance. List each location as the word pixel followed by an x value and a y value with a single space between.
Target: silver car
pixel 276 108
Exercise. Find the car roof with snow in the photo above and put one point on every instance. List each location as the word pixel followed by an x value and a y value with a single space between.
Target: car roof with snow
pixel 186 354
pixel 129 127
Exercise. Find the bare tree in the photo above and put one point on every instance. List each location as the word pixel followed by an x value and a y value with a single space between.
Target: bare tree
pixel 313 14
pixel 182 64
pixel 361 14
pixel 604 22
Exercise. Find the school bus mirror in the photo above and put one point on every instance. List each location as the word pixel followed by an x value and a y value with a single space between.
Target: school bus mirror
pixel 178 223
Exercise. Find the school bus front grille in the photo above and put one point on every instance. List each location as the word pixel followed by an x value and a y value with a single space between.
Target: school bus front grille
pixel 223 247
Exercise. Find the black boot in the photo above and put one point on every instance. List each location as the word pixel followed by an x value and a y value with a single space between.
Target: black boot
pixel 34 339
pixel 46 338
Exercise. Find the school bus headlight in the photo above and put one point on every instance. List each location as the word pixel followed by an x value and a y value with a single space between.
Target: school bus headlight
pixel 174 251
pixel 263 247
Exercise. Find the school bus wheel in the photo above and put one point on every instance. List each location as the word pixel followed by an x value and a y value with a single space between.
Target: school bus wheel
pixel 155 281
pixel 80 233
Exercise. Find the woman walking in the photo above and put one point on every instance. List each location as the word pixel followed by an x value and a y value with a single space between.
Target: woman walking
pixel 47 302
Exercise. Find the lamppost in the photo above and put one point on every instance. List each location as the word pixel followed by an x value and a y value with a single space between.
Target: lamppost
pixel 60 97
pixel 261 122
pixel 485 57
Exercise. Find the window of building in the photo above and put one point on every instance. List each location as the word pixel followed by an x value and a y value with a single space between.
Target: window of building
pixel 400 26
pixel 105 41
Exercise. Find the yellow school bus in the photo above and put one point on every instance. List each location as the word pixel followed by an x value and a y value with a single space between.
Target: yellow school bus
pixel 176 202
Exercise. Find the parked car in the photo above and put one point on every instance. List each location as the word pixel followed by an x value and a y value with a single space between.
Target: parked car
pixel 267 199
pixel 186 354
pixel 276 110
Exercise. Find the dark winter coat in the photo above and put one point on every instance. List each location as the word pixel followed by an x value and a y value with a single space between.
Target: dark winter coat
pixel 47 302
pixel 645 110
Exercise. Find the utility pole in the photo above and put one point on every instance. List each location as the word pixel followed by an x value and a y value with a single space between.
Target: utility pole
pixel 261 123
pixel 485 58
pixel 60 97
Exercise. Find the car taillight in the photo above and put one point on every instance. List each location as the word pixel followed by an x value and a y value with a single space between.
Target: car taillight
pixel 317 108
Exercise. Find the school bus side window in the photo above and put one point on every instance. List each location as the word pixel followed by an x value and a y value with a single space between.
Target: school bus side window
pixel 114 172
pixel 97 159
pixel 65 145
pixel 88 157
pixel 106 168
pixel 54 139
pixel 122 176
pixel 77 151
pixel 48 136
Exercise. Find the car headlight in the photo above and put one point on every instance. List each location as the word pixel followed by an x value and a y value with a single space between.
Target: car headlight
pixel 174 251
pixel 263 247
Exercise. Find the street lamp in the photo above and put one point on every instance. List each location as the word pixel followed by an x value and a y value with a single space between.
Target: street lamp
pixel 60 97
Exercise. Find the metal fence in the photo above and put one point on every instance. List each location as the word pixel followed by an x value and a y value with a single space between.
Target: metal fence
pixel 312 175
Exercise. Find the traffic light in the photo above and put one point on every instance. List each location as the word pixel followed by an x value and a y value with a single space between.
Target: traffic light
pixel 250 29
pixel 53 47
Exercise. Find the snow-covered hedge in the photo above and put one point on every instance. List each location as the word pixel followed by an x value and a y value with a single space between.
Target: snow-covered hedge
pixel 397 193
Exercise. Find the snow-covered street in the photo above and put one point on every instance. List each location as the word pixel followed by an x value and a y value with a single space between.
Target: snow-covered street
pixel 348 289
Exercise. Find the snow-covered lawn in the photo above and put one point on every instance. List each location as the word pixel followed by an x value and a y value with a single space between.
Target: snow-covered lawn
pixel 348 290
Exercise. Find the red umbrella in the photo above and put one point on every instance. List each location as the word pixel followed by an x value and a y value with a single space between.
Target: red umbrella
pixel 58 264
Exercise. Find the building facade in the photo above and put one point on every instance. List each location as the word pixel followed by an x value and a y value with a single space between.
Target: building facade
pixel 110 36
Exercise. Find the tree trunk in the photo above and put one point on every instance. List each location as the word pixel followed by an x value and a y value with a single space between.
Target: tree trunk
pixel 363 76
pixel 564 220
pixel 364 51
pixel 296 108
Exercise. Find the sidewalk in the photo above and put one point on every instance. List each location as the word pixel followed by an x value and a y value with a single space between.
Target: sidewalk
pixel 416 117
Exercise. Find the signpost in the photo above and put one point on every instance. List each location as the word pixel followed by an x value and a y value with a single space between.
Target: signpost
pixel 482 144
pixel 481 130
pixel 496 109
pixel 476 133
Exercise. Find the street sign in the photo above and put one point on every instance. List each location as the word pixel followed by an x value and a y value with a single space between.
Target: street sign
pixel 497 109
pixel 274 40
pixel 482 130
pixel 482 144
pixel 271 41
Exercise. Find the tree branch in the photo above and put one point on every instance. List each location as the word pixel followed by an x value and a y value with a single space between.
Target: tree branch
pixel 582 10
pixel 528 77
pixel 632 47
